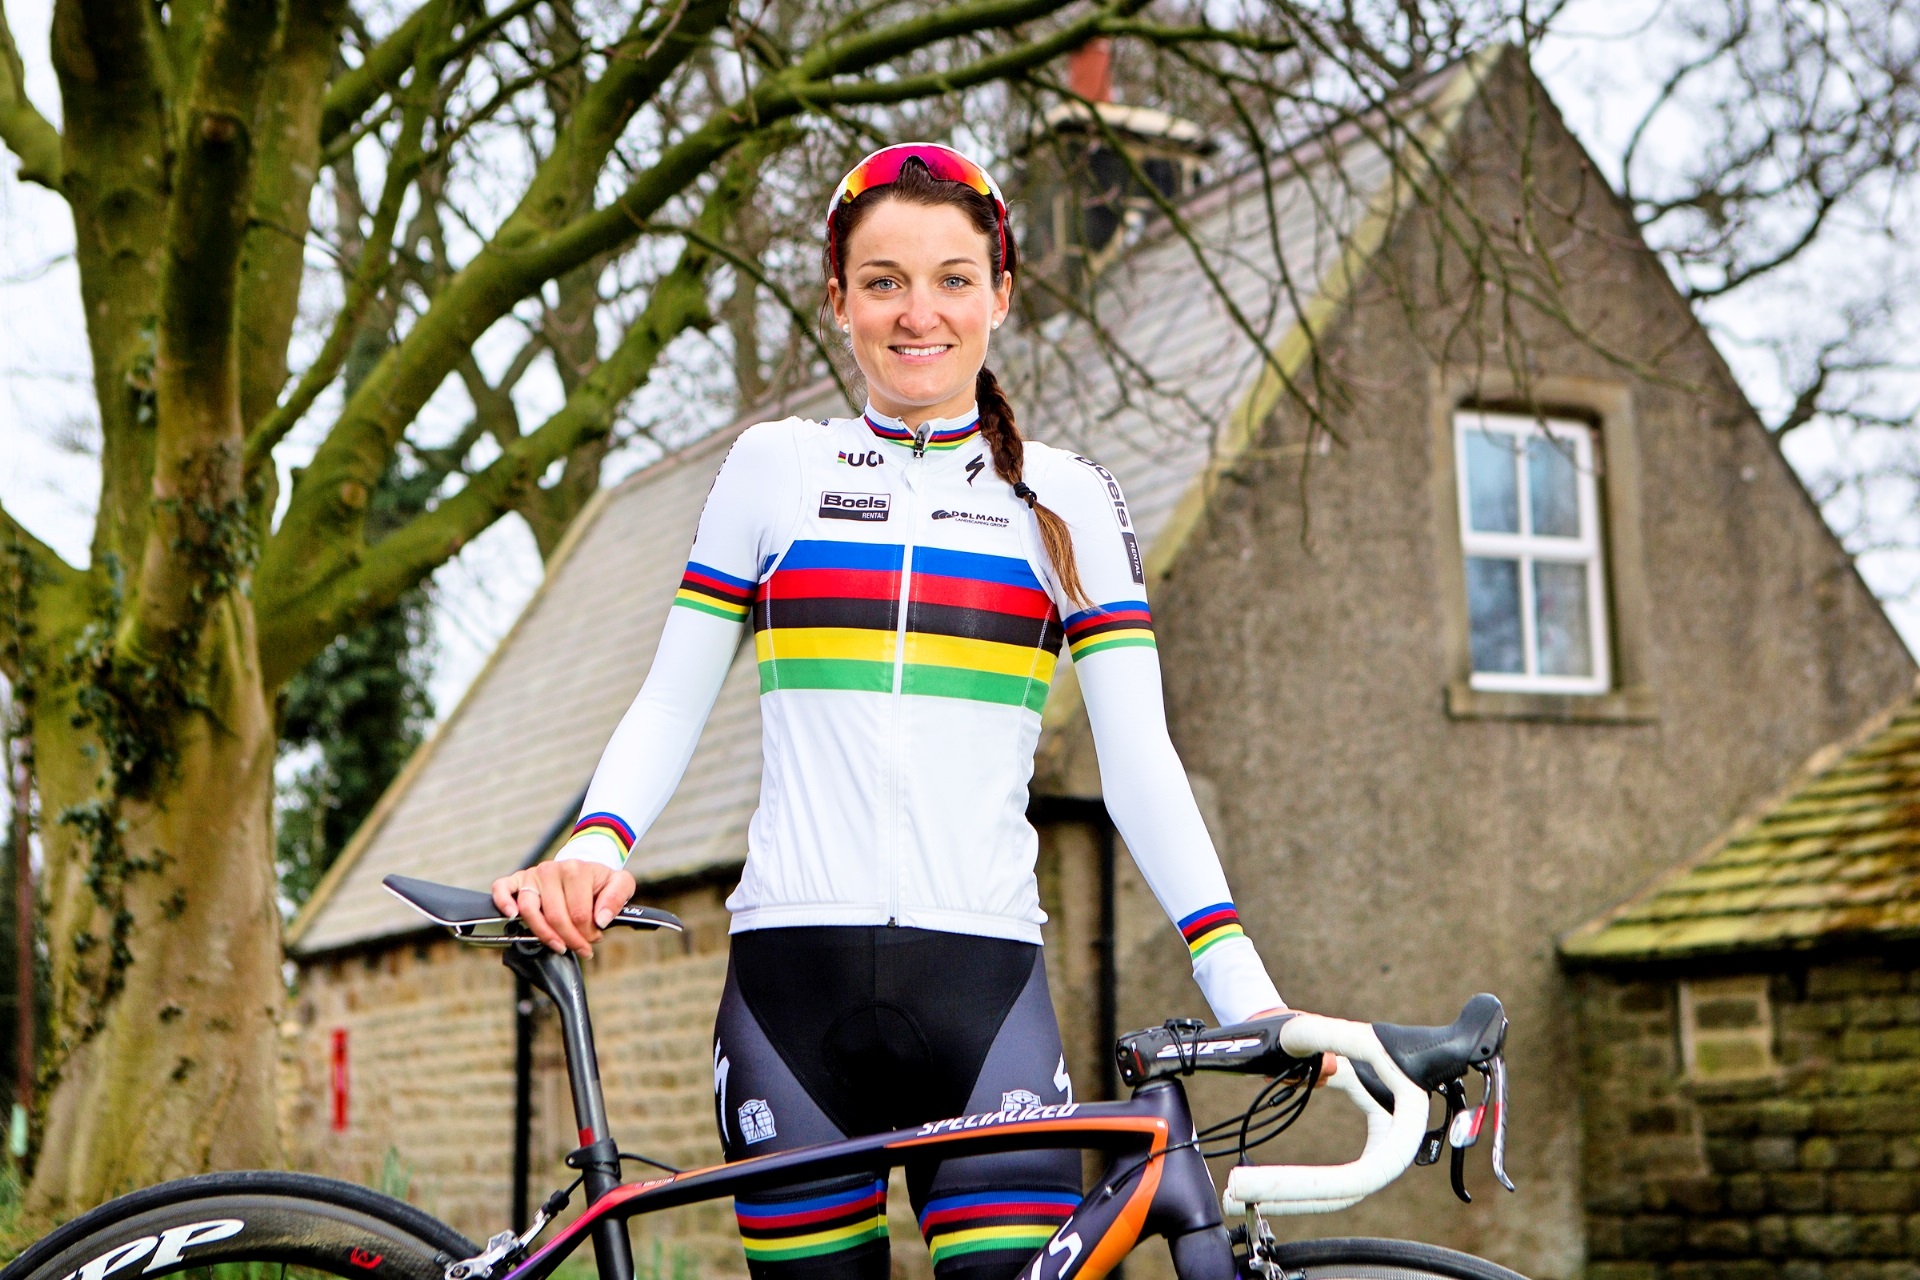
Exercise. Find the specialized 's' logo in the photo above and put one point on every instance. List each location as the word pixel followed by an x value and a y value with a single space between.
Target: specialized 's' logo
pixel 973 517
pixel 1061 1080
pixel 976 466
pixel 756 1121
pixel 165 1249
pixel 854 506
pixel 364 1260
pixel 1059 1111
pixel 855 458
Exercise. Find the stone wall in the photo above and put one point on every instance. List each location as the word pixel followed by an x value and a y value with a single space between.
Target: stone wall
pixel 1807 1170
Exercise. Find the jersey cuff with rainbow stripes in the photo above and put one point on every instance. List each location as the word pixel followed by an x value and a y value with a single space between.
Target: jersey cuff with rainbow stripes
pixel 598 837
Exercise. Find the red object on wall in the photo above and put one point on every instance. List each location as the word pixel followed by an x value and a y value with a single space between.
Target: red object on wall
pixel 337 1079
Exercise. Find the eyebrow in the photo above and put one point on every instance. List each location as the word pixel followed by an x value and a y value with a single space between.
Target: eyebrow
pixel 892 265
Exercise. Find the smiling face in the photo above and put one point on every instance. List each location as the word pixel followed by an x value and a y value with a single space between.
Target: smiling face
pixel 919 303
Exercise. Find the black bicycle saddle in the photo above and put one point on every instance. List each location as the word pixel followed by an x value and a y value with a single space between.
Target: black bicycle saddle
pixel 461 909
pixel 1431 1056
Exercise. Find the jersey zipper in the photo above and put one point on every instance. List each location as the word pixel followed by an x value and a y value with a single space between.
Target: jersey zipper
pixel 900 677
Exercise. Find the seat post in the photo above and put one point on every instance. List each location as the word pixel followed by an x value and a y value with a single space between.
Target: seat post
pixel 557 973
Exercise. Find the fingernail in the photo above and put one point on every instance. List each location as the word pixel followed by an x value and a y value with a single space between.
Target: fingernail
pixel 603 917
pixel 558 945
pixel 588 953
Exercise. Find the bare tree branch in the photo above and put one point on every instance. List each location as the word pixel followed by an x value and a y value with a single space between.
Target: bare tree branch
pixel 26 133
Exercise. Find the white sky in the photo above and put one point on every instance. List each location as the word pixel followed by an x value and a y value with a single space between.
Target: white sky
pixel 48 480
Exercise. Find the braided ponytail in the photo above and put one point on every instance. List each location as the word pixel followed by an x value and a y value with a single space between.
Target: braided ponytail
pixel 1009 456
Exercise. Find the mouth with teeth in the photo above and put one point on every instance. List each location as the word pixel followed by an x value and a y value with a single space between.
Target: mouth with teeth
pixel 931 351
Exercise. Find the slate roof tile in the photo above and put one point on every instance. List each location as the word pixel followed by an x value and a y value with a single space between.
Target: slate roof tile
pixel 1834 858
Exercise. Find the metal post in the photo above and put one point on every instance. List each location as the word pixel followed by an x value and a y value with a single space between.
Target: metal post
pixel 558 975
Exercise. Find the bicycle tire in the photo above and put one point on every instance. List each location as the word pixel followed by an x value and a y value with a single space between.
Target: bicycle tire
pixel 230 1225
pixel 1364 1258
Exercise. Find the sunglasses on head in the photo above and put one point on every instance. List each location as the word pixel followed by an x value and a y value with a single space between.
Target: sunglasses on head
pixel 883 168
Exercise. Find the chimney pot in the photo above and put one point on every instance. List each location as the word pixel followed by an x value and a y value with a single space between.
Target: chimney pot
pixel 1090 70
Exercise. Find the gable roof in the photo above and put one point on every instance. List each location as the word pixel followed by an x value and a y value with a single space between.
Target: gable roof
pixel 1833 859
pixel 498 782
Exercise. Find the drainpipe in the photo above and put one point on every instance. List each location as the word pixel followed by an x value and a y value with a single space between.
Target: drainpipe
pixel 1090 812
pixel 523 1028
pixel 1108 964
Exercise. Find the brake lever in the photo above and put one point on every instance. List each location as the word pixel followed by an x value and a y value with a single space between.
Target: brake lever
pixel 1463 1132
pixel 1496 1073
pixel 1455 1095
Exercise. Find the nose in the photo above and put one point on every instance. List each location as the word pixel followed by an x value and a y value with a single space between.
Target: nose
pixel 918 317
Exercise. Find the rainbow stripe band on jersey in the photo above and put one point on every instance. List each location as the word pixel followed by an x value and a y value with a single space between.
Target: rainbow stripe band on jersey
pixel 1210 926
pixel 1110 626
pixel 979 627
pixel 1014 1221
pixel 938 441
pixel 608 825
pixel 785 1230
pixel 711 591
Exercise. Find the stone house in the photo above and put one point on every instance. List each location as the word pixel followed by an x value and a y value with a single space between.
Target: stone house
pixel 1439 707
pixel 1750 1031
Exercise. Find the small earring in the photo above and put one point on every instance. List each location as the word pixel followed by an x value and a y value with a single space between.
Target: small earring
pixel 846 328
pixel 996 324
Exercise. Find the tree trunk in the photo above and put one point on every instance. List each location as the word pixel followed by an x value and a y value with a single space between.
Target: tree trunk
pixel 164 940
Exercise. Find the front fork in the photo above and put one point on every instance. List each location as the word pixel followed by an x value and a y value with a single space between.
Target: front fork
pixel 1171 1195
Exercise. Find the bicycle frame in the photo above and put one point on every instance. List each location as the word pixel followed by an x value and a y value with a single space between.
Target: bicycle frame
pixel 1156 1183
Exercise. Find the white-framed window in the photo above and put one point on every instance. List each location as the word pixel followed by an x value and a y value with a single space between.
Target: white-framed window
pixel 1726 1028
pixel 1530 532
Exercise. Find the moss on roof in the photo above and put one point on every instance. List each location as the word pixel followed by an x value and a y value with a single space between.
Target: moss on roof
pixel 1834 858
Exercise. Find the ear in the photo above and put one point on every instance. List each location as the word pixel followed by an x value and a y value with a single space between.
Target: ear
pixel 1002 298
pixel 837 300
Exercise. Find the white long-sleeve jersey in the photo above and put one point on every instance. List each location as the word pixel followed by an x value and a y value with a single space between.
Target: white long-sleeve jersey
pixel 906 621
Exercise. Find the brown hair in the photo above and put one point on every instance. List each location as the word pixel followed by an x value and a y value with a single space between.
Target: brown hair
pixel 916 186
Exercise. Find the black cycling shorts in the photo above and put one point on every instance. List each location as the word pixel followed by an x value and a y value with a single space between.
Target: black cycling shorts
pixel 826 1033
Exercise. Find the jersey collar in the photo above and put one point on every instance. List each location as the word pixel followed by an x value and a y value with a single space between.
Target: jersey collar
pixel 943 434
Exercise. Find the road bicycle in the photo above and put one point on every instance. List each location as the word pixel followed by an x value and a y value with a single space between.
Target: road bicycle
pixel 1156 1181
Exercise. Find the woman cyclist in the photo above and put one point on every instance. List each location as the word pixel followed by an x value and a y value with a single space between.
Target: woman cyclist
pixel 910 576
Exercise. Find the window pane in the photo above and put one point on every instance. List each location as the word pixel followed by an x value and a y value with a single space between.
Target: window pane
pixel 1551 488
pixel 1560 594
pixel 1493 613
pixel 1493 500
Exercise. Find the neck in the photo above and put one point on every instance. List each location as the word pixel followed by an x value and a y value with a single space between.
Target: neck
pixel 959 405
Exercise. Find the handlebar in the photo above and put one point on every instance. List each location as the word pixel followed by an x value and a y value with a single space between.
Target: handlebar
pixel 1393 1136
pixel 1387 1071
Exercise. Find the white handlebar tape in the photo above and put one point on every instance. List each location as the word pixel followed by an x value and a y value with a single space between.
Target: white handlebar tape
pixel 1392 1140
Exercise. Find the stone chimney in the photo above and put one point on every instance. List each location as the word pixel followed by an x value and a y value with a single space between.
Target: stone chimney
pixel 1083 199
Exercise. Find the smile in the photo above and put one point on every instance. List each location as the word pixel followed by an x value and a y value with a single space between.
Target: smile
pixel 938 349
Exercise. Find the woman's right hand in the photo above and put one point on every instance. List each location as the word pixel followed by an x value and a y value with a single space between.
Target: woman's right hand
pixel 567 904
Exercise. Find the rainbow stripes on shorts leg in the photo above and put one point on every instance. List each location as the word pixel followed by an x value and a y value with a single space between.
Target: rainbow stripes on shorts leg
pixel 1020 1222
pixel 786 1230
pixel 710 591
pixel 1109 626
pixel 609 825
pixel 1210 926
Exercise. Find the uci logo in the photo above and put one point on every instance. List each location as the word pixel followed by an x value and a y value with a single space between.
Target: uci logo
pixel 854 458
